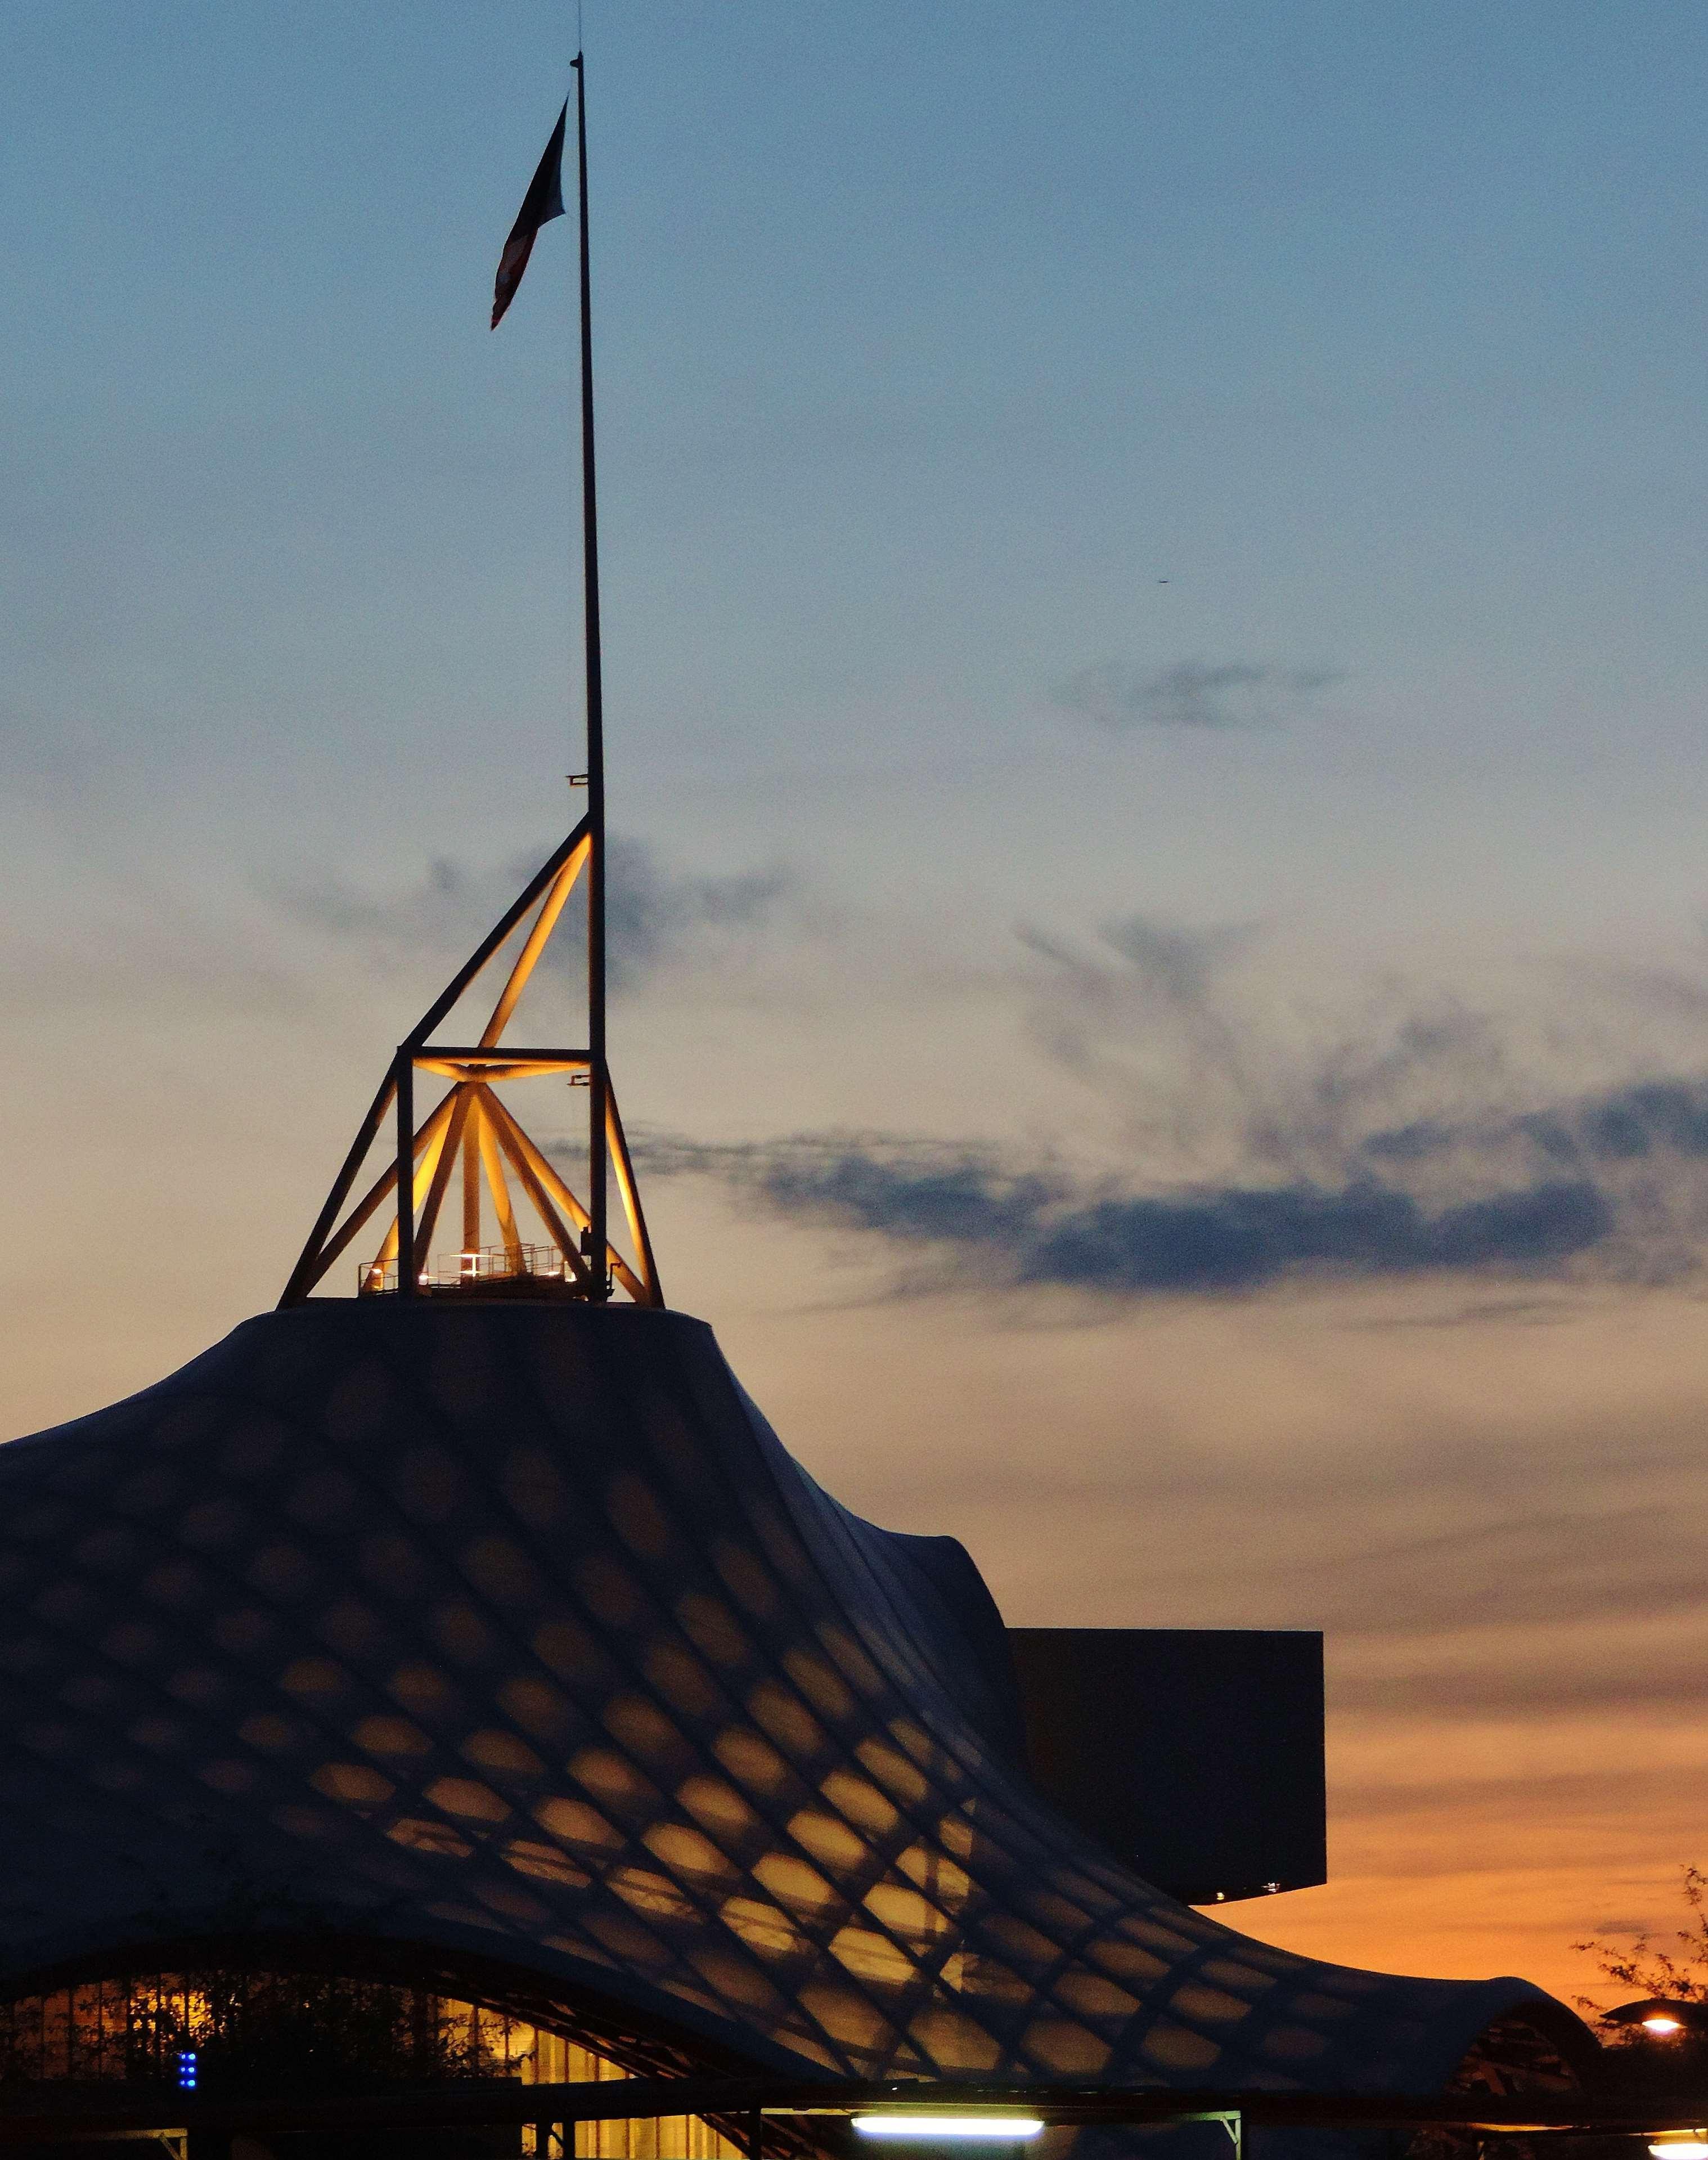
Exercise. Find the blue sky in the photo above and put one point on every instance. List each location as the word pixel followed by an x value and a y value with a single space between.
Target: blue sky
pixel 930 340
pixel 1155 670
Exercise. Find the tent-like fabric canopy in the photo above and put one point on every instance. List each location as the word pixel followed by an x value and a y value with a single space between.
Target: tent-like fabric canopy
pixel 511 1631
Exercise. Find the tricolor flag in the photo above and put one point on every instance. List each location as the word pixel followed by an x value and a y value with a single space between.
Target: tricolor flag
pixel 544 201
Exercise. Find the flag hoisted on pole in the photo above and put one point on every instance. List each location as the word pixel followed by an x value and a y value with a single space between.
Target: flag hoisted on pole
pixel 471 1124
pixel 544 201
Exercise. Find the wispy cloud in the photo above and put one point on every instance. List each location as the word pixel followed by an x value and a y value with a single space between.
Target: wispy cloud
pixel 1193 694
pixel 446 907
pixel 1247 1144
pixel 1205 1073
pixel 656 915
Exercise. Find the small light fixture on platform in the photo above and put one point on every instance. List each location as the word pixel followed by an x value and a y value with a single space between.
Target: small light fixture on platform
pixel 988 2127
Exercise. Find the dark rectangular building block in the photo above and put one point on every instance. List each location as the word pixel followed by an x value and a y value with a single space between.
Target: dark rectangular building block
pixel 1194 1754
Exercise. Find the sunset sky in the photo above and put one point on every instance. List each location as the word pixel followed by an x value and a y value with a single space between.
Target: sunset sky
pixel 1155 664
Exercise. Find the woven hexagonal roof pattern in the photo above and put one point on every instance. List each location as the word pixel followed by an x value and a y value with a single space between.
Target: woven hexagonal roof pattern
pixel 513 1629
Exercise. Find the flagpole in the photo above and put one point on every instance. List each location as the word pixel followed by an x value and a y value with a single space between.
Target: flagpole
pixel 598 1082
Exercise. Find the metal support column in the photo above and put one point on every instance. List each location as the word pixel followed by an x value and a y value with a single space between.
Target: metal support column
pixel 406 1171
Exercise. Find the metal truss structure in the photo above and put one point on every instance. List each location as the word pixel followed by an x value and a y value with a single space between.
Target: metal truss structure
pixel 471 1142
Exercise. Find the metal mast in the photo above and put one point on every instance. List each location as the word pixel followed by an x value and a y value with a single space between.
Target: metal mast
pixel 598 1072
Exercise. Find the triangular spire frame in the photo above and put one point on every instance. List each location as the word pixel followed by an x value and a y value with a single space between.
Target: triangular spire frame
pixel 471 1129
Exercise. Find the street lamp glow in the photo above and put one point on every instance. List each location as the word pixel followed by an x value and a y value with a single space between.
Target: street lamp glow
pixel 1662 2022
pixel 1680 2144
pixel 993 2129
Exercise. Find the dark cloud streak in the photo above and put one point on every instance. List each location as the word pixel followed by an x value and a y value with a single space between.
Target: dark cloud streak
pixel 1193 694
pixel 1641 1122
pixel 1235 1239
pixel 1036 1227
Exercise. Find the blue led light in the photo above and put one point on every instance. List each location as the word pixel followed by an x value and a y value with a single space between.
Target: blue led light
pixel 186 2072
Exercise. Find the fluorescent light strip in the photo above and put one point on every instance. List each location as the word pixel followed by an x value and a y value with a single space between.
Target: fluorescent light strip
pixel 995 2129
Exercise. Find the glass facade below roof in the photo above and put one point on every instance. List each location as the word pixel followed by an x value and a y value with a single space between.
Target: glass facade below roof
pixel 221 2029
